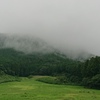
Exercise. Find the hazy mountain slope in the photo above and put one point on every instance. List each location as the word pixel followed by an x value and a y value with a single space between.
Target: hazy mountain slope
pixel 18 63
pixel 30 44
pixel 26 44
pixel 23 56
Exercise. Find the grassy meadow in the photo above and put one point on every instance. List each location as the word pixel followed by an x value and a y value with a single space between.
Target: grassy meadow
pixel 30 89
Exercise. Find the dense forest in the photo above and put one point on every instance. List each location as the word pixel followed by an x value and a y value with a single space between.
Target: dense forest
pixel 85 73
pixel 20 64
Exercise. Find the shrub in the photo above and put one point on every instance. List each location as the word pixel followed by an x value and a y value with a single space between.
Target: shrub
pixel 95 82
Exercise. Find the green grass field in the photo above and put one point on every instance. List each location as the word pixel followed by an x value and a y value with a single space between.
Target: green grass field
pixel 30 89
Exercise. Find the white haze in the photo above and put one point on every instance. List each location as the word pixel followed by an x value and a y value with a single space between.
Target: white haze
pixel 26 44
pixel 65 24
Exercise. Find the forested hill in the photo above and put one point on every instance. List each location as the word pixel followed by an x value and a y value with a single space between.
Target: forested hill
pixel 32 44
pixel 23 56
pixel 18 63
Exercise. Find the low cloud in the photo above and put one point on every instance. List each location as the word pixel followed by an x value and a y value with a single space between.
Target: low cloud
pixel 65 24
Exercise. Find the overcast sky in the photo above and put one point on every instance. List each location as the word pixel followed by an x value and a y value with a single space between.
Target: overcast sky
pixel 66 24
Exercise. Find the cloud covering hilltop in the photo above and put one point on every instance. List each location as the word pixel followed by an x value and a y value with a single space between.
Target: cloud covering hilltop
pixel 66 24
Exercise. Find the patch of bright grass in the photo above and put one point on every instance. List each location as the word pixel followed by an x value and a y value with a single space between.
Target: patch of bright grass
pixel 30 89
pixel 48 79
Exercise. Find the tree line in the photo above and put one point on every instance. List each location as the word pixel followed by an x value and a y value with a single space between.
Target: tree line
pixel 85 73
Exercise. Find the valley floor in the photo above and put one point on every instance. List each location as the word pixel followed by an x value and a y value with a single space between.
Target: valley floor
pixel 30 89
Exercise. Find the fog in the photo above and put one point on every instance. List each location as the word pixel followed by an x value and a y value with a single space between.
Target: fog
pixel 26 44
pixel 65 24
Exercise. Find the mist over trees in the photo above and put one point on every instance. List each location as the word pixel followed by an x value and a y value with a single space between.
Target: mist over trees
pixel 31 44
pixel 66 24
pixel 53 63
pixel 58 38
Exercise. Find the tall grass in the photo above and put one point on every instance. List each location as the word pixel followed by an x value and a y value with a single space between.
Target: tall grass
pixel 8 78
pixel 48 79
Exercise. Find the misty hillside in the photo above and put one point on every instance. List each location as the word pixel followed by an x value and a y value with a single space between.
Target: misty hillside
pixel 52 38
pixel 30 45
pixel 25 56
pixel 26 44
pixel 17 63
